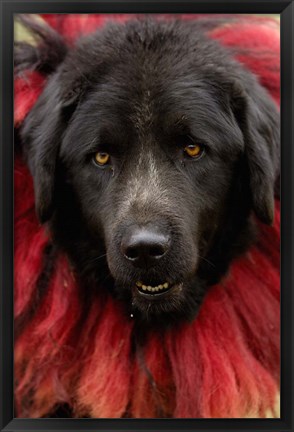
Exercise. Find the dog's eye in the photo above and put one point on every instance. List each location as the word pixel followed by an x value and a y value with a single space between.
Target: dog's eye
pixel 194 150
pixel 101 158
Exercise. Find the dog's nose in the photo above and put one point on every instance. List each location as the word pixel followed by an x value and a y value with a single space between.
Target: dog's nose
pixel 144 247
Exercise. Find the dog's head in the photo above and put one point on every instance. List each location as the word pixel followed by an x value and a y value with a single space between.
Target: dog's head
pixel 150 148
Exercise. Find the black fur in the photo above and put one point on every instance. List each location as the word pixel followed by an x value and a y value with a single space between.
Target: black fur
pixel 141 92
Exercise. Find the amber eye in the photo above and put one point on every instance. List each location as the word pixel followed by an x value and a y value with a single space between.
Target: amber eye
pixel 194 150
pixel 101 158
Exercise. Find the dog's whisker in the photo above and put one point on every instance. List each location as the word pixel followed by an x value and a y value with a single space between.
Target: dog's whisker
pixel 206 260
pixel 108 276
pixel 97 258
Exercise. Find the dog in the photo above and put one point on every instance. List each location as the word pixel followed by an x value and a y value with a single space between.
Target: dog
pixel 151 149
pixel 155 161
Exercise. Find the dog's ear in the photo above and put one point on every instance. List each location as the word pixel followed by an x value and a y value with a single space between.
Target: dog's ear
pixel 259 121
pixel 40 133
pixel 41 136
pixel 43 128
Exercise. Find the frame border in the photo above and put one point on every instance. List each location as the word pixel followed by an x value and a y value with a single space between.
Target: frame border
pixel 9 7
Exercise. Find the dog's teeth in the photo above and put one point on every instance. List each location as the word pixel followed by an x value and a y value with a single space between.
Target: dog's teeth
pixel 149 288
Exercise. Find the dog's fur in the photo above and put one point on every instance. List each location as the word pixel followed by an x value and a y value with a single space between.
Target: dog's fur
pixel 143 91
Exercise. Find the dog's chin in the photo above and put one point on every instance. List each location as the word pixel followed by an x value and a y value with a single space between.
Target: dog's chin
pixel 166 303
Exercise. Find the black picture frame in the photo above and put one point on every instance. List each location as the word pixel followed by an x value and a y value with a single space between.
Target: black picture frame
pixel 10 7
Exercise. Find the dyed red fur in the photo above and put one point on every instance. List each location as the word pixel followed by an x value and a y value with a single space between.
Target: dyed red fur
pixel 224 364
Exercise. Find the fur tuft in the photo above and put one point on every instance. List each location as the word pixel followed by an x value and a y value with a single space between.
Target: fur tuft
pixel 47 53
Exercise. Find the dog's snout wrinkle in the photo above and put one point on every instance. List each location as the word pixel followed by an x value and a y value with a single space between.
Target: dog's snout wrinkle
pixel 145 246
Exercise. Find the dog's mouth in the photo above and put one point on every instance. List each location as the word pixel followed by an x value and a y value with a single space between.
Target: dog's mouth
pixel 159 291
pixel 163 302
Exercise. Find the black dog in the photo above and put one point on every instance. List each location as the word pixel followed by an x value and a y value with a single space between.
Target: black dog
pixel 150 149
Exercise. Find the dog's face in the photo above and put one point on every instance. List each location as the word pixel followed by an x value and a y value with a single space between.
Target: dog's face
pixel 150 148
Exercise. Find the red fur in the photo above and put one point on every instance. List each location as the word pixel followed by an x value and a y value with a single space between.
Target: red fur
pixel 26 91
pixel 257 39
pixel 224 364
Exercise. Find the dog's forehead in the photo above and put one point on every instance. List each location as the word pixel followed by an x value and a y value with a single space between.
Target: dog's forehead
pixel 132 117
pixel 150 96
pixel 144 98
pixel 166 108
